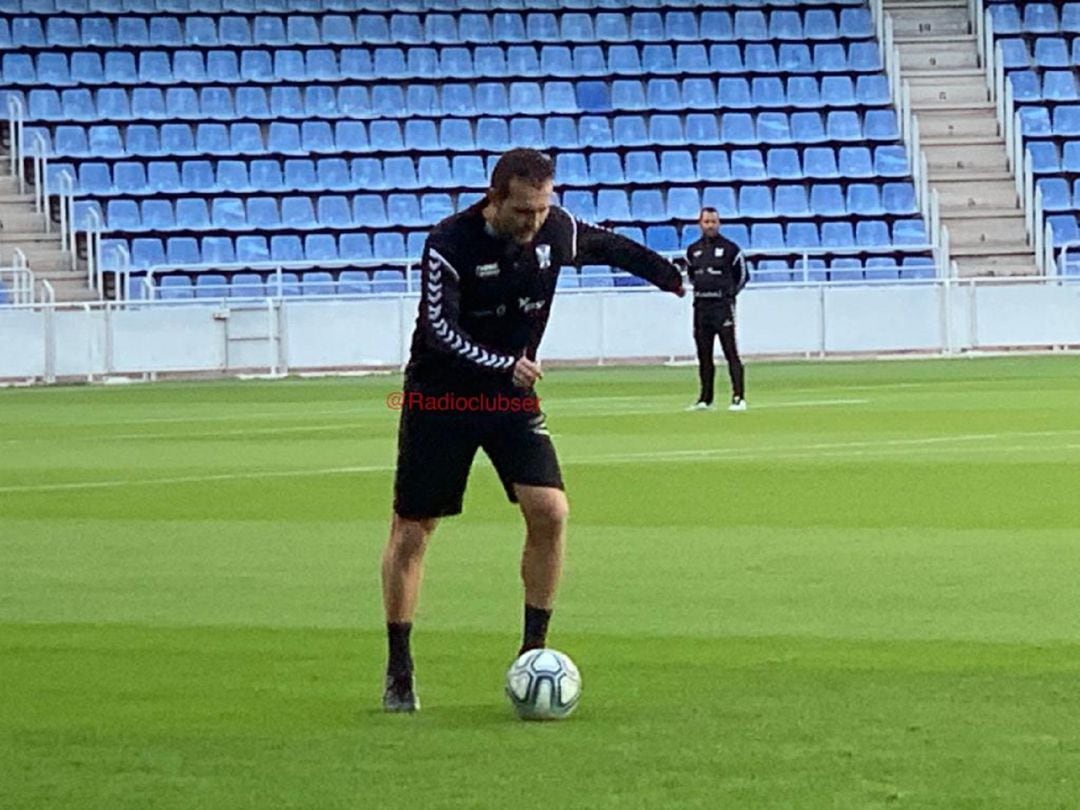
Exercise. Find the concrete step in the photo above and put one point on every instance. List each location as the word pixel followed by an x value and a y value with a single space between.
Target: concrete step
pixel 958 213
pixel 957 139
pixel 976 195
pixel 948 94
pixel 991 158
pixel 999 266
pixel 908 5
pixel 986 230
pixel 940 125
pixel 40 259
pixel 930 21
pixel 8 185
pixel 942 74
pixel 916 56
pixel 939 176
pixel 943 40
pixel 21 220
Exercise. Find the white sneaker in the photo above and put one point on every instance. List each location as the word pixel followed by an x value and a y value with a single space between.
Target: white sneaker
pixel 700 406
pixel 737 404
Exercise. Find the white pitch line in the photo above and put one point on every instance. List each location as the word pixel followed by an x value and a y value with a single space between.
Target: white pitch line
pixel 933 444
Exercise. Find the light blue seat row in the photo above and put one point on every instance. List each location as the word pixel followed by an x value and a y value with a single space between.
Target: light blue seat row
pixel 315 6
pixel 443 28
pixel 1063 121
pixel 186 66
pixel 1047 159
pixel 285 284
pixel 133 178
pixel 453 99
pixel 1053 85
pixel 1038 18
pixel 150 252
pixel 1049 52
pixel 267 214
pixel 750 202
pixel 450 135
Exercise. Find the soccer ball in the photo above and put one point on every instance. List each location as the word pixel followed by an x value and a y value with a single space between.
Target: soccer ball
pixel 543 685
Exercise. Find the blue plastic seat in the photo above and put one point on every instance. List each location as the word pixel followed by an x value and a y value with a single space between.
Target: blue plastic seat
pixel 803 91
pixel 872 233
pixel 1059 85
pixel 872 89
pixel 820 24
pixel 881 125
pixel 909 232
pixel 580 204
pixel 791 201
pixel 734 93
pixel 716 26
pixel 760 58
pixel 1040 18
pixel 827 200
pixel 1005 17
pixel 1014 54
pixel 766 236
pixel 768 91
pixel 739 234
pixel 1055 193
pixel 899 198
pixel 175 288
pixel 286 248
pixel 864 199
pixel 750 26
pixel 837 235
pixel 727 58
pixel 820 162
pixel 334 211
pixel 783 164
pixel 891 161
pixel 612 204
pixel 713 166
pixel 630 130
pixel 802 235
pixel 839 91
pixel 856 161
pixel 756 202
pixel 1051 52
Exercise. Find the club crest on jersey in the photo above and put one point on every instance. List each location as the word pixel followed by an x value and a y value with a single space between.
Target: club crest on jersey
pixel 717 252
pixel 487 270
pixel 543 256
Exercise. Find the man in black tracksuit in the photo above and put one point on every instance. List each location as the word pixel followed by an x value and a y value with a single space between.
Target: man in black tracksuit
pixel 717 270
pixel 488 279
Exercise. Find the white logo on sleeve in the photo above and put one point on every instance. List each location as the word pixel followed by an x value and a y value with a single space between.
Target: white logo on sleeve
pixel 487 270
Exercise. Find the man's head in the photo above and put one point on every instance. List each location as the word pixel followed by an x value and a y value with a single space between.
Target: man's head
pixel 709 220
pixel 519 198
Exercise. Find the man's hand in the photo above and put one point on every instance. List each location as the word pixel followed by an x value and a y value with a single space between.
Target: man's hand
pixel 526 372
pixel 680 290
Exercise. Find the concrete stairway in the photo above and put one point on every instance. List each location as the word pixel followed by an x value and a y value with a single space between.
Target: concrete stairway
pixel 23 228
pixel 958 128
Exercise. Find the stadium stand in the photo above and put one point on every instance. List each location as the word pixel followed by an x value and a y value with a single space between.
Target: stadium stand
pixel 228 133
pixel 1040 52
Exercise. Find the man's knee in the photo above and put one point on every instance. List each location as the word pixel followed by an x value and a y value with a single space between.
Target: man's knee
pixel 546 512
pixel 409 536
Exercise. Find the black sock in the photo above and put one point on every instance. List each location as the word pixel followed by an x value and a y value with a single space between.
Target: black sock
pixel 536 627
pixel 397 633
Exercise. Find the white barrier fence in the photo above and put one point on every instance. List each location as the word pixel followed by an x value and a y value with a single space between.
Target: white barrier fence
pixel 87 341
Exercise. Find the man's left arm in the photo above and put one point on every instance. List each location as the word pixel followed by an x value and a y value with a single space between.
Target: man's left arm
pixel 594 245
pixel 740 270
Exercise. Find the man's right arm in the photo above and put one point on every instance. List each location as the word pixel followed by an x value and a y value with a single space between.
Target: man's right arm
pixel 440 308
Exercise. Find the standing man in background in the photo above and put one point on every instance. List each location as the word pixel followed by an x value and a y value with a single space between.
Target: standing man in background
pixel 717 269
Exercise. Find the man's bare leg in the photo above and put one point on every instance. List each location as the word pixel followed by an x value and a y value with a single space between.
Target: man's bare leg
pixel 546 511
pixel 402 573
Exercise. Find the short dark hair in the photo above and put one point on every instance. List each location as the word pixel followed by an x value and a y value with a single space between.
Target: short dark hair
pixel 527 164
pixel 708 209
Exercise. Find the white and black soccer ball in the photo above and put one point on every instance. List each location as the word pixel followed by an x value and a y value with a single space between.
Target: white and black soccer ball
pixel 543 685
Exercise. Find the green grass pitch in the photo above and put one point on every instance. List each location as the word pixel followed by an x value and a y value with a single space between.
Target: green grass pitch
pixel 862 592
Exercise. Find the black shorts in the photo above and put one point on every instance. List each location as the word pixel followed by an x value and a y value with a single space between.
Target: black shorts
pixel 436 451
pixel 711 317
